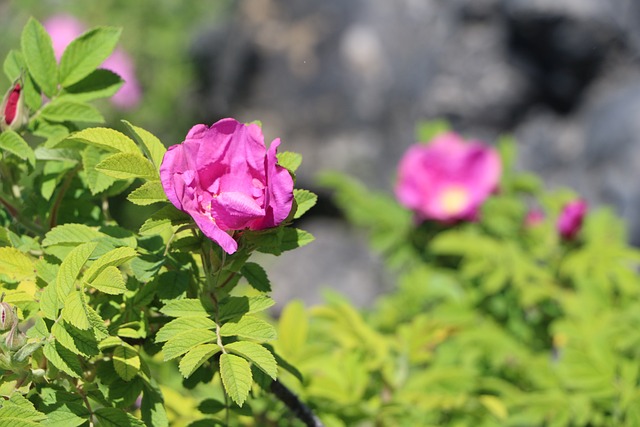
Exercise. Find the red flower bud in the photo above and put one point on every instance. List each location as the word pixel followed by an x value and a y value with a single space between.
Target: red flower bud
pixel 13 113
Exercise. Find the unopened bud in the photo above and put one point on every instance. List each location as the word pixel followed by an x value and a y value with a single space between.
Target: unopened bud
pixel 38 373
pixel 7 316
pixel 15 339
pixel 13 112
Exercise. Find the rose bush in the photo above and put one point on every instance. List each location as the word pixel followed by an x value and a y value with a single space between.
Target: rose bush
pixel 448 179
pixel 226 179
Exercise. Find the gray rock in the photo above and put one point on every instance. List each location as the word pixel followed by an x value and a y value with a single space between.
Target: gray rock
pixel 345 83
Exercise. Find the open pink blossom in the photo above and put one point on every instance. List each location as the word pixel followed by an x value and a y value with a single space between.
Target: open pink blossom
pixel 570 220
pixel 63 29
pixel 448 179
pixel 226 179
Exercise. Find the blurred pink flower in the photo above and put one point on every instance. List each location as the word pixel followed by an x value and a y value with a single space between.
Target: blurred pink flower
pixel 570 220
pixel 63 29
pixel 448 179
pixel 226 179
pixel 533 218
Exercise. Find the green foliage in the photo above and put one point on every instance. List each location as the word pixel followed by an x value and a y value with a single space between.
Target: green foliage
pixel 95 314
pixel 494 322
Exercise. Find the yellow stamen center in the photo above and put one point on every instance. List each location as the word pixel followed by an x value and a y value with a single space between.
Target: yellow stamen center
pixel 454 200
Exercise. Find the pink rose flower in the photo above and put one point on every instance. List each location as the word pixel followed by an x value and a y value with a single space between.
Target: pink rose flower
pixel 63 29
pixel 226 179
pixel 570 220
pixel 448 179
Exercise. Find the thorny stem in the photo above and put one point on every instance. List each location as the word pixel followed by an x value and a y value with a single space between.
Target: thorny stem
pixel 212 291
pixel 85 399
pixel 15 214
pixel 299 409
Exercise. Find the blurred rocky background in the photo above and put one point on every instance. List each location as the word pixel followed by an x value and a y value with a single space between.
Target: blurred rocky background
pixel 345 82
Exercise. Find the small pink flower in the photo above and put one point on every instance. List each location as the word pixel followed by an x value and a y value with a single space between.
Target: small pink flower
pixel 448 179
pixel 534 217
pixel 570 220
pixel 63 29
pixel 226 179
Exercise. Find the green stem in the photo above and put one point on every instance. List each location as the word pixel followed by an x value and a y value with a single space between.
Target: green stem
pixel 19 219
pixel 53 216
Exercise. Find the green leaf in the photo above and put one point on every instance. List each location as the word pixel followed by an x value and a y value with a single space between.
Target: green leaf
pixel 26 351
pixel 305 200
pixel 427 130
pixel 232 307
pixel 153 148
pixel 13 65
pixel 152 409
pixel 61 110
pixel 58 154
pixel 128 165
pixel 196 357
pixel 289 160
pixel 71 266
pixel 148 193
pixel 39 329
pixel 185 341
pixel 18 416
pixel 37 50
pixel 236 377
pixel 184 307
pixel 112 417
pixel 256 276
pixel 109 281
pixel 13 143
pixel 109 342
pixel 293 327
pixel 126 362
pixel 113 258
pixel 62 359
pixel 100 83
pixel 107 139
pixel 257 354
pixel 32 93
pixel 86 53
pixel 97 323
pixel 295 238
pixel 249 327
pixel 96 180
pixel 67 414
pixel 211 406
pixel 167 216
pixel 75 310
pixel 49 301
pixel 70 234
pixel 15 264
pixel 18 411
pixel 78 341
pixel 53 132
pixel 183 324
